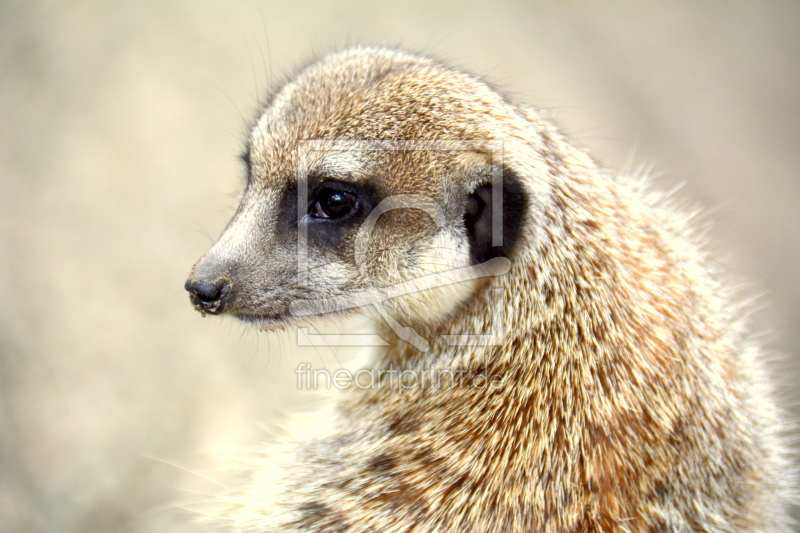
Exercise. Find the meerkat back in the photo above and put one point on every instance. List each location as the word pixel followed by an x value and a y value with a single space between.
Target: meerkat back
pixel 558 356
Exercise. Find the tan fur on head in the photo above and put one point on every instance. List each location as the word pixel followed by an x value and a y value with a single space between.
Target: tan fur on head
pixel 624 394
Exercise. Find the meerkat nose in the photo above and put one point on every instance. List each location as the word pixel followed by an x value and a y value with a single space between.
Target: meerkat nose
pixel 208 296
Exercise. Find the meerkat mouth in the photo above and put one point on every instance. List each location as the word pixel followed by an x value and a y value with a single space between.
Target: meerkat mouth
pixel 282 320
pixel 263 319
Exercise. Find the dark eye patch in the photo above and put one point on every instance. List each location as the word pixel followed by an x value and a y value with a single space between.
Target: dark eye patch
pixel 332 211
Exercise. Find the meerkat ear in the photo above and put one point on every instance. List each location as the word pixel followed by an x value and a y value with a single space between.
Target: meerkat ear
pixel 483 210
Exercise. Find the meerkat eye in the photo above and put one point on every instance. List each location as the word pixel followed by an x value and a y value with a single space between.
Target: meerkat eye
pixel 332 204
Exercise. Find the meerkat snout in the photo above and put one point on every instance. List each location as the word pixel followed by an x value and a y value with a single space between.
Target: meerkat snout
pixel 210 283
pixel 208 295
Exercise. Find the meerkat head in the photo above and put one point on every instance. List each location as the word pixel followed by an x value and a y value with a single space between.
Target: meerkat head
pixel 374 177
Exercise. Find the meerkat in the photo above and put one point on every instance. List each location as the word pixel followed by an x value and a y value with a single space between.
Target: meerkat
pixel 600 378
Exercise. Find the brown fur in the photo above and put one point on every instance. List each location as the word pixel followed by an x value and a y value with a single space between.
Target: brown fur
pixel 629 398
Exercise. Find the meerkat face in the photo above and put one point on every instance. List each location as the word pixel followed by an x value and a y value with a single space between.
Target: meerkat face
pixel 358 197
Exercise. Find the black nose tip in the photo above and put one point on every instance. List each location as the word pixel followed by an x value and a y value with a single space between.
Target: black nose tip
pixel 208 296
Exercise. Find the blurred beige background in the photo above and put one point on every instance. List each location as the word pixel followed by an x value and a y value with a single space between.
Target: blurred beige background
pixel 120 125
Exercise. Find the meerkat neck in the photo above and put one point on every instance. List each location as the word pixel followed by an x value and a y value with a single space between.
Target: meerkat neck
pixel 580 334
pixel 468 337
